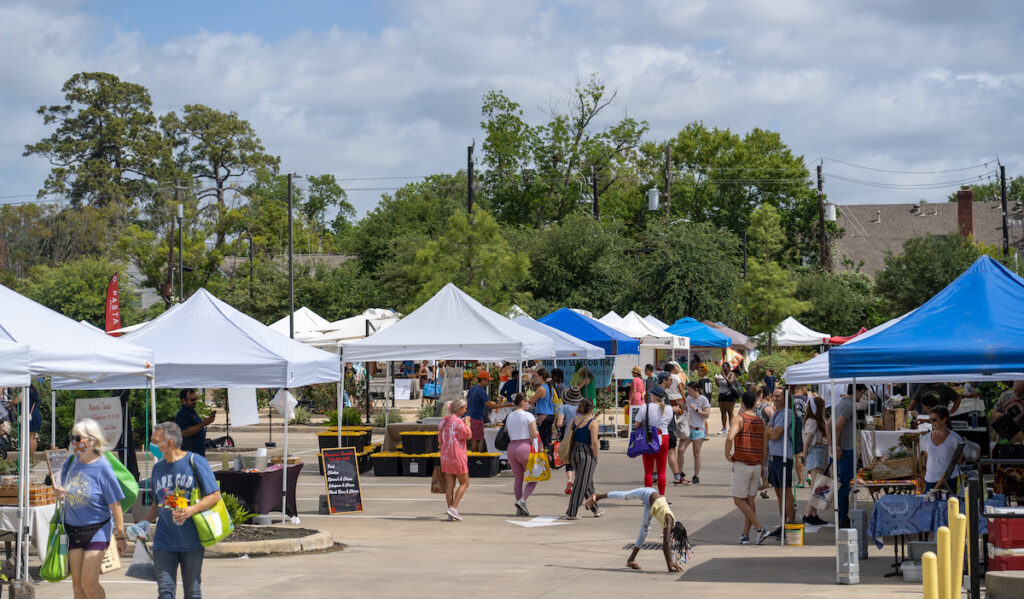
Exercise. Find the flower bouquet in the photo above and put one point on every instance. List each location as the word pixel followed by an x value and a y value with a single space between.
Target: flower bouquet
pixel 176 501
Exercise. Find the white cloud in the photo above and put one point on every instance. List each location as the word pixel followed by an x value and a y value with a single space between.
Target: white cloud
pixel 905 87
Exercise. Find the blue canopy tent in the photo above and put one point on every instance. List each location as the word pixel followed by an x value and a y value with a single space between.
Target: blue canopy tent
pixel 592 331
pixel 700 334
pixel 971 327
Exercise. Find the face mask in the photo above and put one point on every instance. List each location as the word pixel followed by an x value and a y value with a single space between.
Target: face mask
pixel 153 449
pixel 79 448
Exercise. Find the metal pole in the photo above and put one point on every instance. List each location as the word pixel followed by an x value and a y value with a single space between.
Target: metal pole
pixel 366 377
pixel 835 465
pixel 53 419
pixel 1002 196
pixel 23 474
pixel 853 487
pixel 252 299
pixel 785 450
pixel 341 393
pixel 284 460
pixel 291 270
pixel 469 179
pixel 821 223
pixel 181 249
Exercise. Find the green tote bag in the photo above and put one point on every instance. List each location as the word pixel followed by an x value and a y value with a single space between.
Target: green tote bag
pixel 55 566
pixel 214 525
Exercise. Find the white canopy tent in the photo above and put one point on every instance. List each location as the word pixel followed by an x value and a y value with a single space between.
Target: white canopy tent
pixel 515 310
pixel 633 325
pixel 611 319
pixel 661 326
pixel 452 326
pixel 14 365
pixel 305 320
pixel 370 321
pixel 791 333
pixel 206 343
pixel 60 346
pixel 566 346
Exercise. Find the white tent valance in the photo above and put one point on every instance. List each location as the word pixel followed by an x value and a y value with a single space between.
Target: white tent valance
pixel 204 342
pixel 635 326
pixel 14 365
pixel 452 326
pixel 791 333
pixel 566 346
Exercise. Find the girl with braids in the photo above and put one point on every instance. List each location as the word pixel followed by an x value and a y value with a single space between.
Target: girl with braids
pixel 675 544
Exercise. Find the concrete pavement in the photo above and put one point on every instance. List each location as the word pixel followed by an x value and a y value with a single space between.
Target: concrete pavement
pixel 402 545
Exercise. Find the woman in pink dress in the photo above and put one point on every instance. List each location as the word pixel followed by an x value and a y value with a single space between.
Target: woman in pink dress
pixel 452 434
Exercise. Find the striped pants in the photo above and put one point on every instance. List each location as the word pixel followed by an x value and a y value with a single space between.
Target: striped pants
pixel 583 464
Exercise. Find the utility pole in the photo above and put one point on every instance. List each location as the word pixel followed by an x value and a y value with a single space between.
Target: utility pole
pixel 168 291
pixel 1002 194
pixel 746 319
pixel 181 250
pixel 593 189
pixel 469 178
pixel 291 269
pixel 252 300
pixel 821 224
pixel 668 179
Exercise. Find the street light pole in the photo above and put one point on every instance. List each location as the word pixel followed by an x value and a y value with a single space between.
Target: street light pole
pixel 291 267
pixel 181 249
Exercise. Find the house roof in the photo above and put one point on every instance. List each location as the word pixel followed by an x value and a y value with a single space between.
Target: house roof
pixel 874 229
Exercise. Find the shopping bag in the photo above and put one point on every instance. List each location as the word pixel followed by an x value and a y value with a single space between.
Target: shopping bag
pixel 501 439
pixel 538 468
pixel 142 563
pixel 129 486
pixel 556 459
pixel 822 492
pixel 436 486
pixel 563 452
pixel 213 525
pixel 55 566
pixel 644 439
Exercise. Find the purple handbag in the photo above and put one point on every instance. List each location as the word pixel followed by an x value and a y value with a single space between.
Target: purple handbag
pixel 644 439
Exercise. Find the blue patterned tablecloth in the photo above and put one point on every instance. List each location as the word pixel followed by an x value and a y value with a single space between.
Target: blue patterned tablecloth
pixel 912 514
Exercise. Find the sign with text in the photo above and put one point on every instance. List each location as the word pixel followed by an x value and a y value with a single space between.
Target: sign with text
pixel 452 387
pixel 341 475
pixel 55 459
pixel 106 411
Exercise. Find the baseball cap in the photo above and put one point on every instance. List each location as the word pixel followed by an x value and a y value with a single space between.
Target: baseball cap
pixel 483 374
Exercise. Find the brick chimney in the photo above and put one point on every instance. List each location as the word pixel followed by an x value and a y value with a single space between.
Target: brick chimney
pixel 965 212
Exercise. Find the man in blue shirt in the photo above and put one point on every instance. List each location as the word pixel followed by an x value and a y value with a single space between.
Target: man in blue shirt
pixel 478 402
pixel 193 428
pixel 176 542
pixel 780 455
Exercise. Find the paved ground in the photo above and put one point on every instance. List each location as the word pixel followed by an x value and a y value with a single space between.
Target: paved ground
pixel 402 546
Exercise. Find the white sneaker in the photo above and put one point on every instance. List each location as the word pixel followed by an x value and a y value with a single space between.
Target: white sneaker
pixel 521 506
pixel 723 432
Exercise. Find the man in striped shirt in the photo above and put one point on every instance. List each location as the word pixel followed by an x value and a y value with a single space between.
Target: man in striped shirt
pixel 746 448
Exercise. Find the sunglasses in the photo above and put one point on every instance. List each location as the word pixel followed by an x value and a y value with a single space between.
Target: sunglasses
pixel 77 438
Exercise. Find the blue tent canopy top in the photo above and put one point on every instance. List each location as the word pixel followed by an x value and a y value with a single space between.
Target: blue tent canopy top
pixel 972 326
pixel 700 334
pixel 592 331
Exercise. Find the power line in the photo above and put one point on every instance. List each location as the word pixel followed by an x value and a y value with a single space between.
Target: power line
pixel 896 172
pixel 930 185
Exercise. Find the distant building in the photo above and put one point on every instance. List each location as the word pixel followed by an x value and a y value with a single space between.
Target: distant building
pixel 874 229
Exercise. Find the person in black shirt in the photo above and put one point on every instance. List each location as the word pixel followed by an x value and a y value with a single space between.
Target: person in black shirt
pixel 193 428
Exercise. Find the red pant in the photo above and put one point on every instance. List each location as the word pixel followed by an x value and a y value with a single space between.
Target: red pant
pixel 661 458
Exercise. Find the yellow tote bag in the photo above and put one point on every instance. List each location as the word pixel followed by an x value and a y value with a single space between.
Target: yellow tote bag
pixel 538 468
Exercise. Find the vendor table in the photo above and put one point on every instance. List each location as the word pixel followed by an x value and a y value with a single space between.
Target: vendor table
pixel 38 524
pixel 874 443
pixel 902 515
pixel 391 434
pixel 260 492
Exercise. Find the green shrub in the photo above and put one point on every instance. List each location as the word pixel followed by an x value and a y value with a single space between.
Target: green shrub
pixel 392 416
pixel 426 411
pixel 779 362
pixel 239 515
pixel 350 417
pixel 301 415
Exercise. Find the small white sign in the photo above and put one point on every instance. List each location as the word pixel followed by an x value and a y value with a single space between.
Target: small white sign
pixel 539 521
pixel 403 389
pixel 106 411
pixel 242 406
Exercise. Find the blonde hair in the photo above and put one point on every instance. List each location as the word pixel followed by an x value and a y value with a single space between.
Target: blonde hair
pixel 456 405
pixel 87 427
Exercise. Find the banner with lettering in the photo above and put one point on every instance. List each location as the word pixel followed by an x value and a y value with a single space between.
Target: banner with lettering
pixel 113 321
pixel 106 411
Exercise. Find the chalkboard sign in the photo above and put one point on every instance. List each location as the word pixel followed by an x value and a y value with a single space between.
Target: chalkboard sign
pixel 55 459
pixel 341 475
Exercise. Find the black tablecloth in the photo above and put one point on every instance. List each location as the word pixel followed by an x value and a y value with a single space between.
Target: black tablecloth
pixel 260 492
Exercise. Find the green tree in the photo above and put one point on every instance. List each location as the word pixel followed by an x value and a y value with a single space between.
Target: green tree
pixel 765 233
pixel 682 269
pixel 579 262
pixel 475 256
pixel 106 149
pixel 78 289
pixel 840 303
pixel 986 192
pixel 767 295
pixel 925 266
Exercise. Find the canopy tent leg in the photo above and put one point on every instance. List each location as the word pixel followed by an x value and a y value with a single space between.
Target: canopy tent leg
pixel 21 563
pixel 53 419
pixel 853 487
pixel 784 504
pixel 341 394
pixel 835 472
pixel 284 463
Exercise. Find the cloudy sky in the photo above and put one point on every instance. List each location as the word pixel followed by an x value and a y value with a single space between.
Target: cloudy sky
pixel 379 93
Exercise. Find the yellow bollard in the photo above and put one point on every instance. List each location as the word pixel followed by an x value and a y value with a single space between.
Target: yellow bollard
pixel 930 575
pixel 942 544
pixel 952 510
pixel 967 500
pixel 956 555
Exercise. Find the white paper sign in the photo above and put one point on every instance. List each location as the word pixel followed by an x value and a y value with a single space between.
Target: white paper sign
pixel 284 403
pixel 242 405
pixel 403 388
pixel 106 411
pixel 452 388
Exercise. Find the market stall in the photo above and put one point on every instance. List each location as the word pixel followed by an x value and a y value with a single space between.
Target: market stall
pixel 792 333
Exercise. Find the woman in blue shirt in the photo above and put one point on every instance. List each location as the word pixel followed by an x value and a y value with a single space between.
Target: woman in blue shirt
pixel 543 404
pixel 91 496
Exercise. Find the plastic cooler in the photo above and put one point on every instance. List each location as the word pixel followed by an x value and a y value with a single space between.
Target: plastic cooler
pixel 417 464
pixel 483 465
pixel 419 442
pixel 386 464
pixel 1006 533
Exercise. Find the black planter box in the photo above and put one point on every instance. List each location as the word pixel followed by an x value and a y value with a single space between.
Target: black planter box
pixel 417 465
pixel 483 465
pixel 418 443
pixel 386 464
